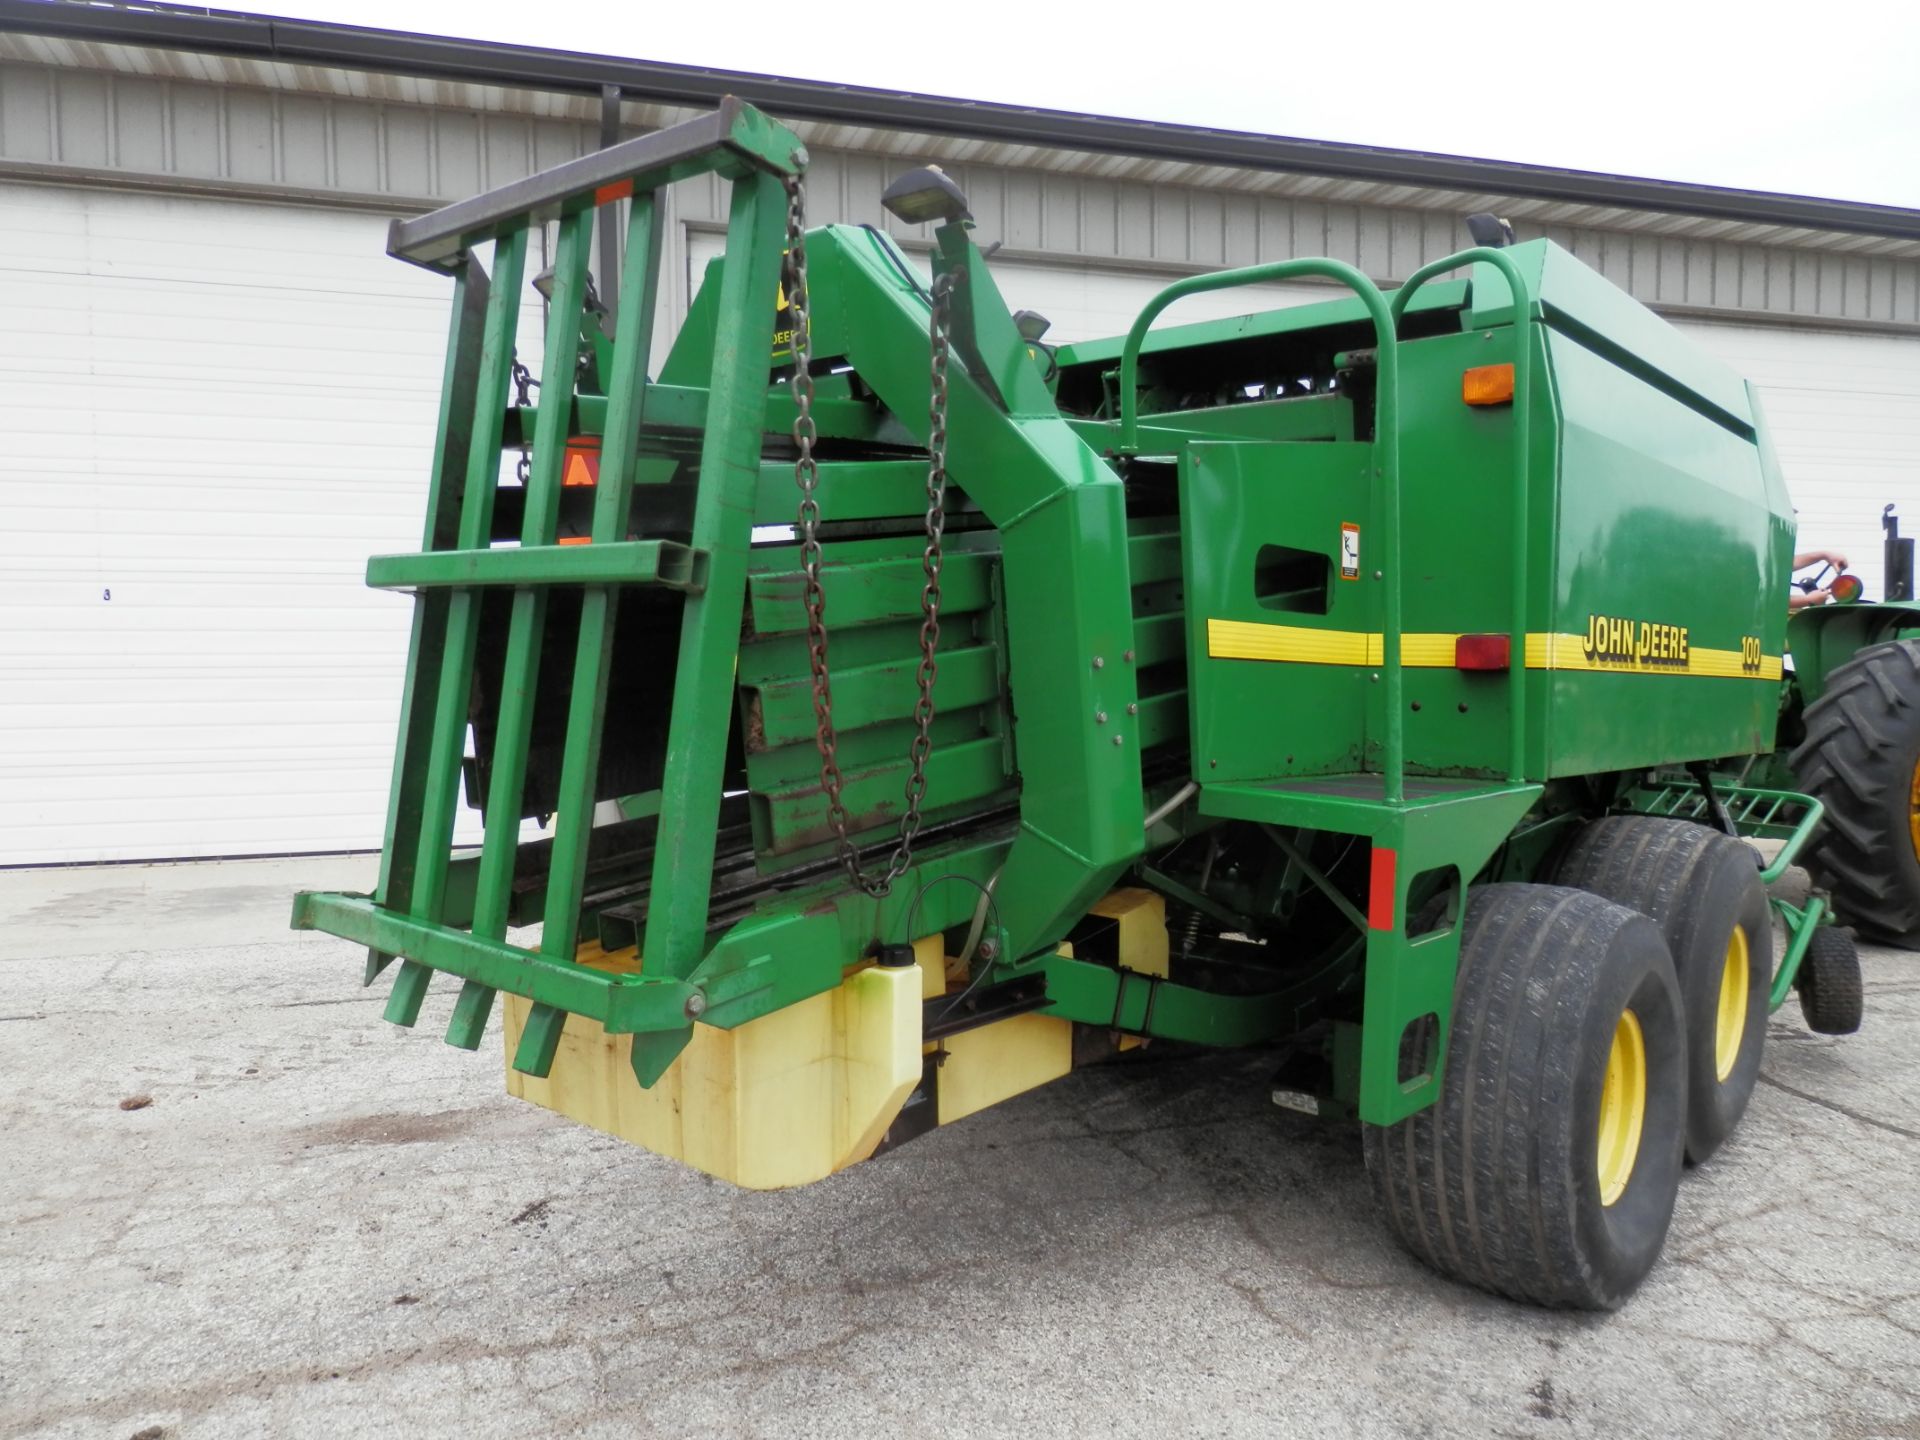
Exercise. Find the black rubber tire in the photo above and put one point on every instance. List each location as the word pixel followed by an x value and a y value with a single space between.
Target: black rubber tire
pixel 1696 885
pixel 1832 995
pixel 1859 758
pixel 1497 1183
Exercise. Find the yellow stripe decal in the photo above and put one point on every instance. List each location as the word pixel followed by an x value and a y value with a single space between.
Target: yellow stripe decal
pixel 1247 640
pixel 1254 640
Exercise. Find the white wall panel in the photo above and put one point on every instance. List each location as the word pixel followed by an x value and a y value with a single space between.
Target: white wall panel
pixel 217 411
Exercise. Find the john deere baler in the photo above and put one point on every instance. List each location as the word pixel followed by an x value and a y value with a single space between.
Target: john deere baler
pixel 912 711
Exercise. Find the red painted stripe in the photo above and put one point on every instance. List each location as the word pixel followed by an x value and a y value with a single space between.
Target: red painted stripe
pixel 1380 889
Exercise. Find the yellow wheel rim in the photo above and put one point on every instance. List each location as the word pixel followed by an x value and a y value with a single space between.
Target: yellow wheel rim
pixel 1913 809
pixel 1730 1025
pixel 1623 1107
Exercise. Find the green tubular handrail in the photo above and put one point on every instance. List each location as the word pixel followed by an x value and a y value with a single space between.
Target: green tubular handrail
pixel 1522 393
pixel 1790 849
pixel 1386 431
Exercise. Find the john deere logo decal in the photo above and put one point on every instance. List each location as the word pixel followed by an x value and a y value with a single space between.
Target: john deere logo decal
pixel 1635 642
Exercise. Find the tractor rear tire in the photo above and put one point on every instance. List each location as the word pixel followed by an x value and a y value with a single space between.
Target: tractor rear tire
pixel 1703 890
pixel 1547 1169
pixel 1832 994
pixel 1861 759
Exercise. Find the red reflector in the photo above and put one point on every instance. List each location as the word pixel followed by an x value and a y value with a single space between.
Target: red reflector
pixel 1482 652
pixel 1846 588
pixel 1380 889
pixel 619 190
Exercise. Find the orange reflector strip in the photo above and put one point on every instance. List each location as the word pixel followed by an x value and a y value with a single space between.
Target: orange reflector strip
pixel 576 540
pixel 1380 889
pixel 1487 385
pixel 1482 652
pixel 619 190
pixel 583 468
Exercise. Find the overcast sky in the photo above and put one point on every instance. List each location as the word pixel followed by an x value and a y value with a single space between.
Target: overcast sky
pixel 1812 99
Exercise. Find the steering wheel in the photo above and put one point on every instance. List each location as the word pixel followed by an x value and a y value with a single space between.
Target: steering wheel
pixel 1845 587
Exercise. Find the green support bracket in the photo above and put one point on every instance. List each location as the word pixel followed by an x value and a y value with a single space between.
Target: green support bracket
pixel 1442 825
pixel 655 1051
pixel 1801 922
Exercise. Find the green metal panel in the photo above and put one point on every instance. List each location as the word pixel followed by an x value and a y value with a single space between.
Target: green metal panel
pixel 1252 715
pixel 1651 496
pixel 1460 547
pixel 1578 301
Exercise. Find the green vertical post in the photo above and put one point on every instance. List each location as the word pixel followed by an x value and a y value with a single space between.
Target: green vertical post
pixel 703 693
pixel 520 674
pixel 1522 460
pixel 442 788
pixel 430 797
pixel 1386 450
pixel 426 642
pixel 587 703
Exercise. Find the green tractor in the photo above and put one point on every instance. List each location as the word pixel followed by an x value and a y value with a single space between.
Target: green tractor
pixel 917 712
pixel 1851 715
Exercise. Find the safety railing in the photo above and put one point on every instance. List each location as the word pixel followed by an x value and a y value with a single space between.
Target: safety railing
pixel 1386 439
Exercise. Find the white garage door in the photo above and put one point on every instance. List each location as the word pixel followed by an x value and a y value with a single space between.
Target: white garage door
pixel 1844 412
pixel 216 412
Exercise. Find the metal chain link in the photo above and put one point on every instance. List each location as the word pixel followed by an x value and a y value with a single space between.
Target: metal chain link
pixel 523 385
pixel 806 474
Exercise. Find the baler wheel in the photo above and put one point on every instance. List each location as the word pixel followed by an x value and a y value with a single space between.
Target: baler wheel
pixel 1703 890
pixel 1547 1169
pixel 1832 995
pixel 1861 759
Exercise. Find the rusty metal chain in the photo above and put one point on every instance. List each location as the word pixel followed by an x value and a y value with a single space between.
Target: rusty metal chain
pixel 806 474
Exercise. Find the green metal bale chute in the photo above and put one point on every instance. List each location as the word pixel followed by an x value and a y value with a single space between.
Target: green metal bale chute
pixel 918 711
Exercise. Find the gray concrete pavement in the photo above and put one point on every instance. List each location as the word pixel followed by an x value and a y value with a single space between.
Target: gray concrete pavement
pixel 323 1226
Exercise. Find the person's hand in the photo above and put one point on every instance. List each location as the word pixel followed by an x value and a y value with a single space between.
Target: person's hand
pixel 1812 597
pixel 1835 559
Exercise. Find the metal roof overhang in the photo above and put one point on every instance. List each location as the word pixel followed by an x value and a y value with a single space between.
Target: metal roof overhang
pixel 271 41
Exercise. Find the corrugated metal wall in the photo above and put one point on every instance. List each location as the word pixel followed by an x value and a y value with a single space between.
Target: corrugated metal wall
pixel 72 124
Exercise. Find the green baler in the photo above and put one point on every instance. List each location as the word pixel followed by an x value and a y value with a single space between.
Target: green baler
pixel 1328 679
